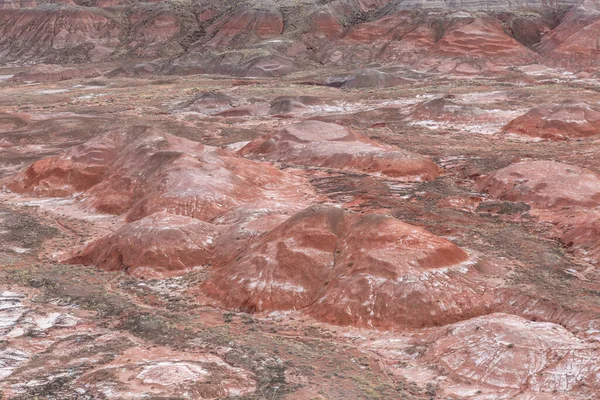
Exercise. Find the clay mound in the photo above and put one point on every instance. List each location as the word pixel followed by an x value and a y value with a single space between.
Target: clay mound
pixel 292 105
pixel 444 109
pixel 78 170
pixel 51 73
pixel 558 122
pixel 209 103
pixel 319 144
pixel 564 195
pixel 368 270
pixel 142 171
pixel 573 43
pixel 365 79
pixel 59 34
pixel 582 230
pixel 158 245
pixel 509 352
pixel 544 185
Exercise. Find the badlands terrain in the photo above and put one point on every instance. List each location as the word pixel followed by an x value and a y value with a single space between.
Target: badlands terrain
pixel 347 199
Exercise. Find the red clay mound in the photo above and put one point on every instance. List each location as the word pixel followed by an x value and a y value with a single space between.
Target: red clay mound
pixel 573 43
pixel 545 185
pixel 155 246
pixel 78 170
pixel 143 171
pixel 558 122
pixel 511 353
pixel 348 268
pixel 51 73
pixel 320 144
pixel 565 195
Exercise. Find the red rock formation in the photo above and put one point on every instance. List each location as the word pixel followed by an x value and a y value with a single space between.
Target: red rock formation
pixel 151 29
pixel 65 35
pixel 50 73
pixel 573 43
pixel 319 144
pixel 79 169
pixel 323 25
pixel 558 122
pixel 249 25
pixel 346 269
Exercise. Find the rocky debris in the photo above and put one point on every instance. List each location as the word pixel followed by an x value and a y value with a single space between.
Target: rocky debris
pixel 558 122
pixel 346 268
pixel 368 78
pixel 52 73
pixel 324 145
pixel 565 195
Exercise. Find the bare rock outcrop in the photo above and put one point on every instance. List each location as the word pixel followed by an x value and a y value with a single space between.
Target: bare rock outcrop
pixel 558 122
